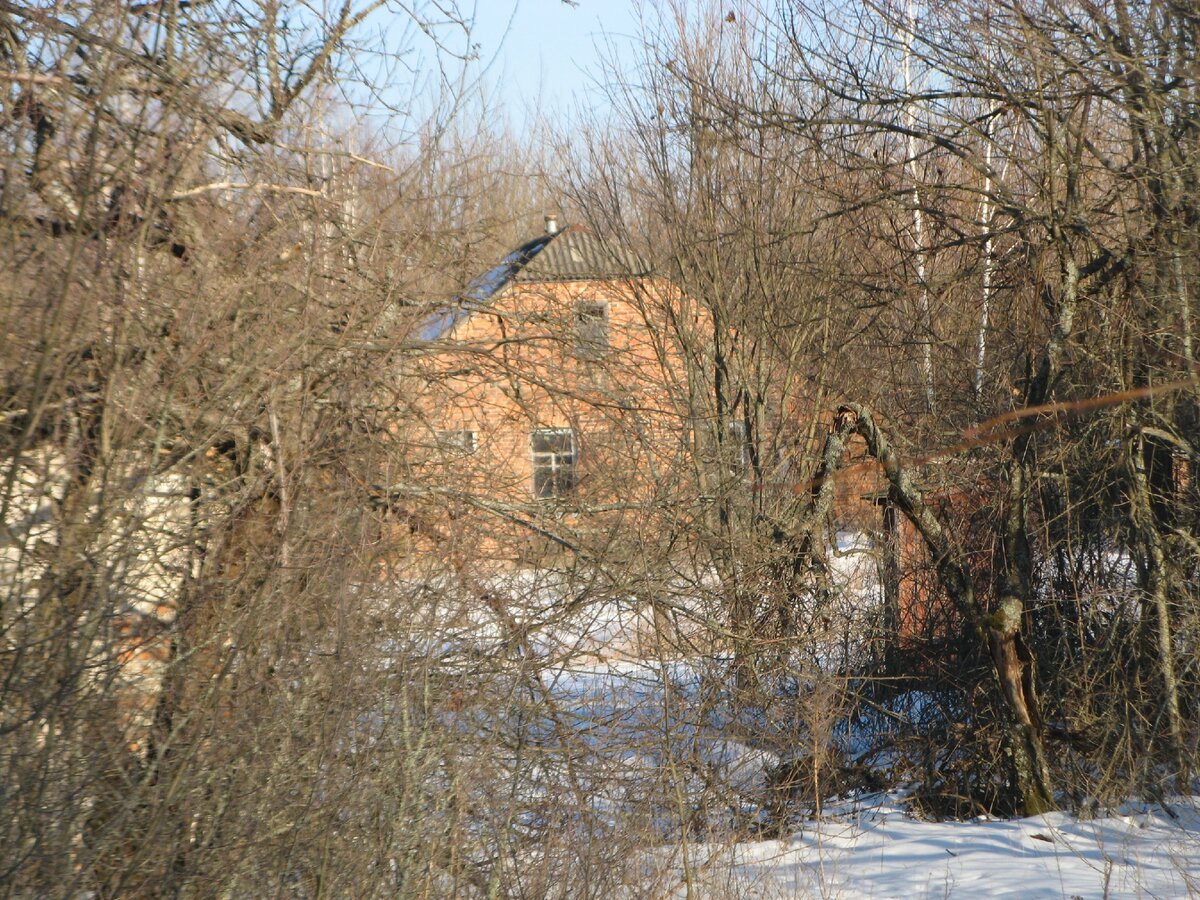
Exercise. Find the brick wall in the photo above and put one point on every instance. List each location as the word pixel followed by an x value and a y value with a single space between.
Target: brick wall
pixel 516 366
pixel 519 366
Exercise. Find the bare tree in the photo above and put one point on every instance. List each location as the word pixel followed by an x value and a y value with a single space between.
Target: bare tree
pixel 1015 154
pixel 204 308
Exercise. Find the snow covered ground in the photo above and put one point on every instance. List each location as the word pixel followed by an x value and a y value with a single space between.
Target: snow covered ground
pixel 576 615
pixel 652 739
pixel 871 848
pixel 875 851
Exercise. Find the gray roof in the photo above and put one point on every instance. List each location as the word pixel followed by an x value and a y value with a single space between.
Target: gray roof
pixel 572 254
pixel 575 254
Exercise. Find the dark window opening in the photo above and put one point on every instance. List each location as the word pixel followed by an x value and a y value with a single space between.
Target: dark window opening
pixel 739 446
pixel 456 443
pixel 554 454
pixel 591 328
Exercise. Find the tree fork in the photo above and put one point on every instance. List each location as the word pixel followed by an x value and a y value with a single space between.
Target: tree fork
pixel 1012 662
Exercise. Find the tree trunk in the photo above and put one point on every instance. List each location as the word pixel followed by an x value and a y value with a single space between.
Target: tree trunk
pixel 1011 660
pixel 1155 585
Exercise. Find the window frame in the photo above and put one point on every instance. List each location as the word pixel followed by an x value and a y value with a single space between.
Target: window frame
pixel 592 328
pixel 449 446
pixel 739 437
pixel 555 472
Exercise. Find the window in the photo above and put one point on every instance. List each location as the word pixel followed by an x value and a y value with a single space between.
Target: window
pixel 591 329
pixel 739 445
pixel 456 443
pixel 553 462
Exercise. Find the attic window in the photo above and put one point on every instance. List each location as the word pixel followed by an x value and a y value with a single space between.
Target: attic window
pixel 591 328
pixel 554 455
pixel 739 446
pixel 456 443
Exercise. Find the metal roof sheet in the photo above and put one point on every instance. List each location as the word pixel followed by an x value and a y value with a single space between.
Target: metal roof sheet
pixel 571 254
pixel 575 254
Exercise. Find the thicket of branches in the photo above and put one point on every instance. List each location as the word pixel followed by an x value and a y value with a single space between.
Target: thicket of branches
pixel 968 227
pixel 206 283
pixel 954 247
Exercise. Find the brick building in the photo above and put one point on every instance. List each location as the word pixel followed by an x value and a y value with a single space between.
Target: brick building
pixel 561 399
pixel 560 385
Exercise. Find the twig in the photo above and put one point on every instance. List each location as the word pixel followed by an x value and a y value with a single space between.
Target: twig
pixel 258 188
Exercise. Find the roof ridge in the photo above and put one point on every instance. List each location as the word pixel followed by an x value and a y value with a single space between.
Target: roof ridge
pixel 582 257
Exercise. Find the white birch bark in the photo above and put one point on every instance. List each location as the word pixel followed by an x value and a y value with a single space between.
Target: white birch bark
pixel 925 320
pixel 989 262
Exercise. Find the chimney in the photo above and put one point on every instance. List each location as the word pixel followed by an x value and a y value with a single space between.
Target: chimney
pixel 552 224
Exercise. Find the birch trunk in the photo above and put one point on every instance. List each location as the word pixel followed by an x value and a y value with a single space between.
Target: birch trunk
pixel 925 321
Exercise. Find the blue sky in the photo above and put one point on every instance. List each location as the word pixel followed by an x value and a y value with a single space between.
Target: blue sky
pixel 544 54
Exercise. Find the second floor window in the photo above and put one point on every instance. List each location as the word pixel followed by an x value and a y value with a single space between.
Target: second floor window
pixel 739 447
pixel 591 329
pixel 554 454
pixel 456 443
